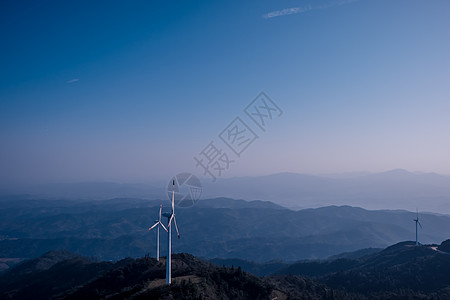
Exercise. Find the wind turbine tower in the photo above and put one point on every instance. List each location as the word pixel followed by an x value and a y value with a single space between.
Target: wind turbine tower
pixel 170 216
pixel 417 222
pixel 157 224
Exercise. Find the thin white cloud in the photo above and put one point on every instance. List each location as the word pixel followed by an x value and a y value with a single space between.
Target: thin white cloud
pixel 297 10
pixel 72 80
pixel 286 11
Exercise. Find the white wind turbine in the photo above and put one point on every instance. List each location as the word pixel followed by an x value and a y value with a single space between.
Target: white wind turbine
pixel 170 216
pixel 417 222
pixel 158 222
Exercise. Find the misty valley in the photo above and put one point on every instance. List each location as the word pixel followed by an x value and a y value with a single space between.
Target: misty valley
pixel 237 249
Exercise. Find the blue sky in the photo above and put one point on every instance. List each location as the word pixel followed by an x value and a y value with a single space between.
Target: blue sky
pixel 132 91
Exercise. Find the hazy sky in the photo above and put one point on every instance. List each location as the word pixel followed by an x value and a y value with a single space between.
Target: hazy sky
pixel 129 91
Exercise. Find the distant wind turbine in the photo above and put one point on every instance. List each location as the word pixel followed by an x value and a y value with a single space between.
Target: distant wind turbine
pixel 417 222
pixel 158 222
pixel 170 216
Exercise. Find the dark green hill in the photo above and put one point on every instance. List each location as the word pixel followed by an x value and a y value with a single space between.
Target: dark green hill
pixel 399 269
pixel 52 274
pixel 144 278
pixel 192 279
pixel 259 269
pixel 318 268
pixel 356 254
pixel 403 266
pixel 445 246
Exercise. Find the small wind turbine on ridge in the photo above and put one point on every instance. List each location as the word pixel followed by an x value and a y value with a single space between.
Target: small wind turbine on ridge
pixel 158 222
pixel 170 216
pixel 417 222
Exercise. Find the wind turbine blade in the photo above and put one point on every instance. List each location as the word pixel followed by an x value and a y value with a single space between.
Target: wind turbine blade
pixel 153 226
pixel 163 226
pixel 173 195
pixel 420 224
pixel 170 220
pixel 160 209
pixel 176 227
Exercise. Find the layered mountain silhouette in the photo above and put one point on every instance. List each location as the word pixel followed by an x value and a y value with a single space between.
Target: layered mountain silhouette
pixel 400 271
pixel 401 268
pixel 79 278
pixel 223 228
pixel 394 189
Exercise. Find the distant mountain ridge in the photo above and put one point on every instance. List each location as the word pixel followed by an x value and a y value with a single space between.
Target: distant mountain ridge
pixel 216 228
pixel 394 189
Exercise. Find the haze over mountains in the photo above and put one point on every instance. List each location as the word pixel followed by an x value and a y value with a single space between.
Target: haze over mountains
pixel 221 227
pixel 395 189
pixel 64 216
pixel 261 236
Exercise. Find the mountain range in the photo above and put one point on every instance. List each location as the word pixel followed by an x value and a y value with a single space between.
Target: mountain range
pixel 401 271
pixel 215 228
pixel 394 189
